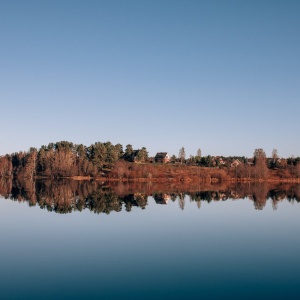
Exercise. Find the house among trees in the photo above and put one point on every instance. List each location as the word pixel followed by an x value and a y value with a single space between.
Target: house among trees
pixel 221 162
pixel 162 157
pixel 235 163
pixel 217 161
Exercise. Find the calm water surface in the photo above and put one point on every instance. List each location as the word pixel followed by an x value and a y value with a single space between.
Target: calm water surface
pixel 222 250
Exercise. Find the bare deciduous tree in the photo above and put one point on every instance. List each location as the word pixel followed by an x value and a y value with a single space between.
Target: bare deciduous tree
pixel 199 153
pixel 259 154
pixel 274 155
pixel 181 154
pixel 260 168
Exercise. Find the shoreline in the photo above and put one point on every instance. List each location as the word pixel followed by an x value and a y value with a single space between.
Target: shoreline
pixel 161 179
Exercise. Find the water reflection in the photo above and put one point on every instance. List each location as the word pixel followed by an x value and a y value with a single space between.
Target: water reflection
pixel 66 196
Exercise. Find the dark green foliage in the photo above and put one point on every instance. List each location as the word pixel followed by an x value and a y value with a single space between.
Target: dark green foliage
pixel 139 155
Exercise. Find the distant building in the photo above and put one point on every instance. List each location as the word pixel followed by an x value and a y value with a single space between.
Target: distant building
pixel 221 161
pixel 235 163
pixel 162 157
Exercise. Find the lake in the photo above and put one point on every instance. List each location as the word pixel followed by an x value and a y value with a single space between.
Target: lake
pixel 139 241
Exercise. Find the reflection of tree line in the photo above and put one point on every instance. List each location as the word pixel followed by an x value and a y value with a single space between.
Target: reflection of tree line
pixel 68 196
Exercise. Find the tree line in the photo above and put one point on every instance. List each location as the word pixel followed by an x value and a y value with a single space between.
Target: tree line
pixel 65 159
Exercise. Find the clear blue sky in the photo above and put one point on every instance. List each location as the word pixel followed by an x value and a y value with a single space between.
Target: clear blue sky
pixel 223 76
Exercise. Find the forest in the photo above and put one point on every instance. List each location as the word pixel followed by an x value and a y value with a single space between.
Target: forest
pixel 106 161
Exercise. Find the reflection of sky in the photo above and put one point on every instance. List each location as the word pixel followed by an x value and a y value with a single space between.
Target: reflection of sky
pixel 226 248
